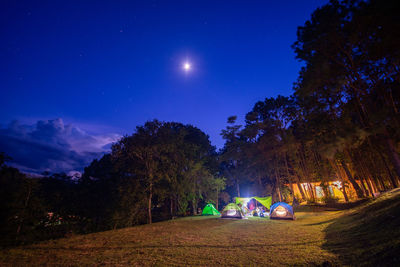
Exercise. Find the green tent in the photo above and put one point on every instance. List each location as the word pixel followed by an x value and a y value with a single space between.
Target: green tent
pixel 209 209
pixel 265 201
pixel 232 211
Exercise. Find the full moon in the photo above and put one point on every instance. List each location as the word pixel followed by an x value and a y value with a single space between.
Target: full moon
pixel 187 66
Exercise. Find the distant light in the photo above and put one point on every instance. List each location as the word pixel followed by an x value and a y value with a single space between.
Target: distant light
pixel 187 66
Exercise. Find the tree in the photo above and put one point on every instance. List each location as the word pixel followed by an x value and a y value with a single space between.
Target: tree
pixel 352 68
pixel 267 127
pixel 21 208
pixel 233 162
pixel 218 185
pixel 140 155
pixel 170 160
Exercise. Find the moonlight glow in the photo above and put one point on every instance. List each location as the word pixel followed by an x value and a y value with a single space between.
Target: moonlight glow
pixel 187 66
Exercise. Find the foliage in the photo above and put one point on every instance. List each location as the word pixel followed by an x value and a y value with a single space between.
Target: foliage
pixel 163 169
pixel 21 209
pixel 171 162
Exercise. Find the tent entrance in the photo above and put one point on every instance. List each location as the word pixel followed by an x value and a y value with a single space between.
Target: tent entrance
pixel 248 208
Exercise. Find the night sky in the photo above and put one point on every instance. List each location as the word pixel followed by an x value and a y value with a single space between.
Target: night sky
pixel 76 75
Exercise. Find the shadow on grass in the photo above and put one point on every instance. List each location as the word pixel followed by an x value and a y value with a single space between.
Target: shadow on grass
pixel 320 223
pixel 329 206
pixel 369 236
pixel 170 246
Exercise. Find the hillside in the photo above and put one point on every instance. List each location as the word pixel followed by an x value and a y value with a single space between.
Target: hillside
pixel 368 234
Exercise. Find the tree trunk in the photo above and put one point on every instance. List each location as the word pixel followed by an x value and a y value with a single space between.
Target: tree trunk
pixel 339 176
pixel 346 198
pixel 171 207
pixel 292 189
pixel 311 190
pixel 373 184
pixel 260 185
pixel 194 206
pixel 217 202
pixel 303 161
pixel 356 187
pixel 237 187
pixel 278 191
pixel 303 195
pixel 395 158
pixel 149 204
pixel 365 190
pixel 370 188
pixel 289 178
pixel 382 184
pixel 368 174
pixel 385 164
pixel 378 180
pixel 301 191
pixel 23 211
pixel 376 184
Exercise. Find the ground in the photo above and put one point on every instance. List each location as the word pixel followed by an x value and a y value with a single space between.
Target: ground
pixel 365 235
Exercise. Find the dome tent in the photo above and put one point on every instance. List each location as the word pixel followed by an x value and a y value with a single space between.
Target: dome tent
pixel 209 209
pixel 232 211
pixel 281 210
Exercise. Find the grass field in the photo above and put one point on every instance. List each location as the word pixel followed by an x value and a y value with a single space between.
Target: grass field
pixel 366 235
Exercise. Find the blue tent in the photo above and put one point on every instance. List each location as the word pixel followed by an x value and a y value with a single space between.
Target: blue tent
pixel 281 210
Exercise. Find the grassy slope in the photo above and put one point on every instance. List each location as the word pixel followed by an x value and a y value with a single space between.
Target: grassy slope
pixel 313 239
pixel 369 234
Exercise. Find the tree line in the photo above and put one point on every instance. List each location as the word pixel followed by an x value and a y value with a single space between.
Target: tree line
pixel 163 170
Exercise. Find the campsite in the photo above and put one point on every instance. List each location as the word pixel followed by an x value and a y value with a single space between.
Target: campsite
pixel 200 133
pixel 315 238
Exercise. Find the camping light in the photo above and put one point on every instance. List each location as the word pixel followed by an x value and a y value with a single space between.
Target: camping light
pixel 231 213
pixel 280 211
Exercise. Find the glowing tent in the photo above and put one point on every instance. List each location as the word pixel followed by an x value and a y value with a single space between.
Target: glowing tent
pixel 232 211
pixel 209 209
pixel 281 210
pixel 265 201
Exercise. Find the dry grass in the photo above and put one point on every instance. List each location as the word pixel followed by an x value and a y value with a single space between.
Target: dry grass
pixel 313 239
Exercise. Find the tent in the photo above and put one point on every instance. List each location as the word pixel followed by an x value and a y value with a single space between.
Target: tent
pixel 265 201
pixel 232 211
pixel 281 210
pixel 209 209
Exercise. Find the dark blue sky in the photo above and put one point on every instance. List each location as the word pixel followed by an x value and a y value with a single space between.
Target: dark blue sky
pixel 110 66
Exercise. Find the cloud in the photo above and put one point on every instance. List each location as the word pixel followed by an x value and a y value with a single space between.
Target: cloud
pixel 51 145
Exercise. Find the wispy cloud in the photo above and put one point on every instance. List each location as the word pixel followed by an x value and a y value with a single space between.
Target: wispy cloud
pixel 52 145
